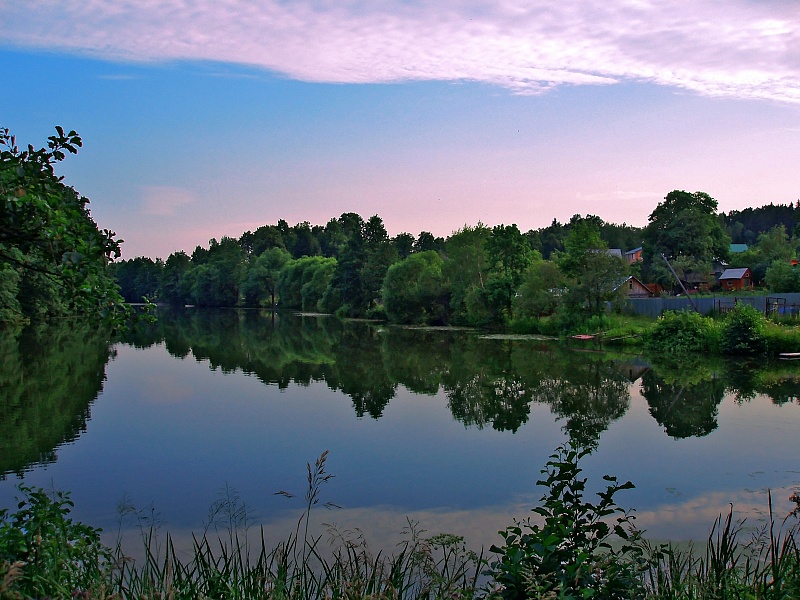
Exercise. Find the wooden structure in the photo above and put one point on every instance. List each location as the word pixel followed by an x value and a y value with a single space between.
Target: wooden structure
pixel 736 279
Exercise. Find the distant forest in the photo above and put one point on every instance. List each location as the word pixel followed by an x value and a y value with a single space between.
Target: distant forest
pixel 477 275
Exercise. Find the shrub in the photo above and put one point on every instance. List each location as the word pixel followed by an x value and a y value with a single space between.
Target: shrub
pixel 781 338
pixel 681 332
pixel 46 553
pixel 570 554
pixel 743 331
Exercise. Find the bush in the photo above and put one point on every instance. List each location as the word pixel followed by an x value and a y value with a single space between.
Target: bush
pixel 743 331
pixel 44 553
pixel 570 555
pixel 681 332
pixel 781 338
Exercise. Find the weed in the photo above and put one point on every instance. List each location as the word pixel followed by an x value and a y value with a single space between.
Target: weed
pixel 570 555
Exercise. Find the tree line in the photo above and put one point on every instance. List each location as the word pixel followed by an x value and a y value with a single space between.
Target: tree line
pixel 55 261
pixel 477 276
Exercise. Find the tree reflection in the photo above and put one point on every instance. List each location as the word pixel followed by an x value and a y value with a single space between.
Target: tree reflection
pixel 49 377
pixel 684 398
pixel 487 382
pixel 589 393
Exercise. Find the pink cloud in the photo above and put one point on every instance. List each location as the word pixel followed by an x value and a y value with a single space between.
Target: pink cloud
pixel 739 48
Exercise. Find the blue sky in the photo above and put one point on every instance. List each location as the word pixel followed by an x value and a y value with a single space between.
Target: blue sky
pixel 202 119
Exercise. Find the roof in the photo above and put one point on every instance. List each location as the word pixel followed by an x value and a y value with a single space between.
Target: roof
pixel 733 273
pixel 737 248
pixel 634 251
pixel 631 278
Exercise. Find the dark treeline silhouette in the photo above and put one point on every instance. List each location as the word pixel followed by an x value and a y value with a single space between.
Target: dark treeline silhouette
pixel 746 225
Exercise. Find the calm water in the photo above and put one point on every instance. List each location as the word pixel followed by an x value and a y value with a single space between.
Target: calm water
pixel 447 428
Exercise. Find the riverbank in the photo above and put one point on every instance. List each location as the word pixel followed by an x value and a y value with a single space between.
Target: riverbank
pixel 573 547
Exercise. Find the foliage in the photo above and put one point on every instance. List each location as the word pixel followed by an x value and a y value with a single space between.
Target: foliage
pixel 782 277
pixel 686 230
pixel 508 254
pixel 138 278
pixel 595 276
pixel 743 331
pixel 746 225
pixel 680 333
pixel 781 337
pixel 53 257
pixel 413 290
pixel 261 280
pixel 302 282
pixel 540 291
pixel 464 270
pixel 53 556
pixel 570 554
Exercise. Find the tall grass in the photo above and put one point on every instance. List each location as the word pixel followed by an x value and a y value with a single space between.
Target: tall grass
pixel 232 566
pixel 765 567
pixel 44 554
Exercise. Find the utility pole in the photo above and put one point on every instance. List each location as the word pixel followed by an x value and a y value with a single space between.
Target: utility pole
pixel 680 283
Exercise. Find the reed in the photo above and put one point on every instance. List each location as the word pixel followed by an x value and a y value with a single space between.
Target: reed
pixel 45 554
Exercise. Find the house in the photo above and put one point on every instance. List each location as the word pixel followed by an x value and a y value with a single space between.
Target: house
pixel 614 252
pixel 736 279
pixel 633 256
pixel 633 288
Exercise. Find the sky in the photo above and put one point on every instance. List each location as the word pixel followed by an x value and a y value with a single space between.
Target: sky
pixel 207 118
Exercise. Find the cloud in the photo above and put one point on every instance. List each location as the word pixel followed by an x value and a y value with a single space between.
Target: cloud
pixel 739 48
pixel 163 200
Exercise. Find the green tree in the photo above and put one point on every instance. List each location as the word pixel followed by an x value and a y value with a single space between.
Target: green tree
pixel 781 277
pixel 215 280
pixel 138 277
pixel 596 275
pixel 53 257
pixel 174 288
pixel 413 290
pixel 260 282
pixel 403 244
pixel 302 282
pixel 465 268
pixel 541 290
pixel 509 254
pixel 685 229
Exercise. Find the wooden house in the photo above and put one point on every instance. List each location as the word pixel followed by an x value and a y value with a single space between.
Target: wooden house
pixel 633 288
pixel 736 279
pixel 633 256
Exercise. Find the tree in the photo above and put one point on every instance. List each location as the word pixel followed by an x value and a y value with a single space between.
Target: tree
pixel 216 273
pixel 403 244
pixel 465 268
pixel 173 288
pixel 541 290
pixel 509 254
pixel 413 290
pixel 782 278
pixel 596 275
pixel 259 285
pixel 686 230
pixel 53 257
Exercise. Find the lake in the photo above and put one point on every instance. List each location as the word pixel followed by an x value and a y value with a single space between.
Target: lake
pixel 448 429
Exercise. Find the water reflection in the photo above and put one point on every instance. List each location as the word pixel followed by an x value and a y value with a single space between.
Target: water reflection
pixel 49 377
pixel 487 382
